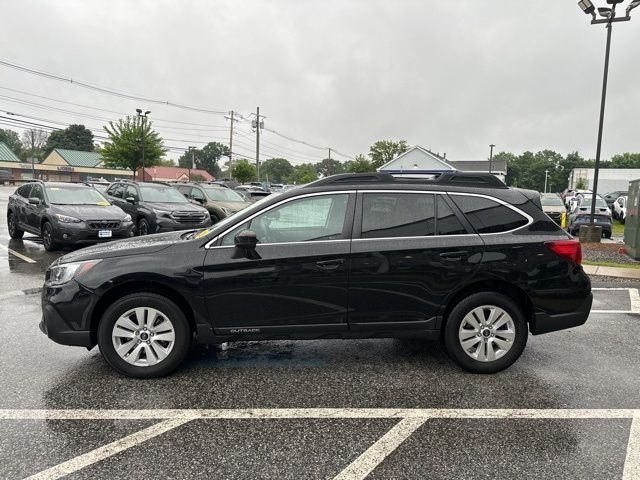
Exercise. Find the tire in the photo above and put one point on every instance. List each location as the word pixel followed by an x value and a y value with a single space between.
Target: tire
pixel 143 227
pixel 459 327
pixel 607 234
pixel 14 231
pixel 153 357
pixel 622 220
pixel 47 237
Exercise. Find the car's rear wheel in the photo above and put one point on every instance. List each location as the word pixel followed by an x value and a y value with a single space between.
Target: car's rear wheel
pixel 143 227
pixel 485 333
pixel 47 237
pixel 144 335
pixel 12 223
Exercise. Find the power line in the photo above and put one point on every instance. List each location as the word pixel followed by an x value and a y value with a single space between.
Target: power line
pixel 109 91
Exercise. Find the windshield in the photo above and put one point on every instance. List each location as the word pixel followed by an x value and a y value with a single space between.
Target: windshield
pixel 161 194
pixel 75 196
pixel 551 202
pixel 223 194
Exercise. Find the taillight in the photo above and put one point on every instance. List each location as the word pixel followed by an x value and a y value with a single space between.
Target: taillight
pixel 569 249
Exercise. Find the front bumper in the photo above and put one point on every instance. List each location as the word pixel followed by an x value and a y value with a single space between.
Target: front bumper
pixel 545 323
pixel 65 314
pixel 79 233
pixel 164 224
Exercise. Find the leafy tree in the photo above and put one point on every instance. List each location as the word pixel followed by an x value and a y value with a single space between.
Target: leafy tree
pixel 582 184
pixel 359 164
pixel 74 137
pixel 276 169
pixel 303 173
pixel 33 142
pixel 329 166
pixel 124 147
pixel 167 162
pixel 243 171
pixel 384 151
pixel 625 160
pixel 205 158
pixel 11 139
pixel 196 177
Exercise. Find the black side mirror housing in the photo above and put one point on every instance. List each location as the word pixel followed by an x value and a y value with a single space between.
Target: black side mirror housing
pixel 245 242
pixel 34 201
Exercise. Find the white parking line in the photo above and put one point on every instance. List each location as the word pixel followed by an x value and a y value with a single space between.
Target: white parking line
pixel 376 453
pixel 411 420
pixel 100 453
pixel 632 461
pixel 19 255
pixel 634 299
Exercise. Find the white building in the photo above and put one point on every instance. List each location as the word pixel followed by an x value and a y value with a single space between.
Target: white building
pixel 418 160
pixel 609 179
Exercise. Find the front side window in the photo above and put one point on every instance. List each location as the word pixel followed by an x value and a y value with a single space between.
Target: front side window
pixel 197 194
pixel 161 194
pixel 36 192
pixel 25 190
pixel 116 190
pixel 131 193
pixel 488 216
pixel 306 219
pixel 386 215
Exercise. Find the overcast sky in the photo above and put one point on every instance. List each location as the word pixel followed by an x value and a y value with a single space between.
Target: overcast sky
pixel 453 76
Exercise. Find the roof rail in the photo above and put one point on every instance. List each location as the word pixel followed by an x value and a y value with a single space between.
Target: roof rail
pixel 453 178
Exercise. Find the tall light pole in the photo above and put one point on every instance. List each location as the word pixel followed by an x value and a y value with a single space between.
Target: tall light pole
pixel 546 176
pixel 609 17
pixel 491 156
pixel 143 119
pixel 193 153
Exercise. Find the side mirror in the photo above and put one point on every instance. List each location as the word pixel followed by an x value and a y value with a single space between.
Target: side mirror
pixel 34 201
pixel 246 239
pixel 130 200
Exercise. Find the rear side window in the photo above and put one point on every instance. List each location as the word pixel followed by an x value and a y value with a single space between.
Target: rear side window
pixel 387 215
pixel 448 222
pixel 24 190
pixel 488 216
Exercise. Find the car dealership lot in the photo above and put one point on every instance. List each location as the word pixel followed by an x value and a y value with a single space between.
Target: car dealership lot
pixel 318 409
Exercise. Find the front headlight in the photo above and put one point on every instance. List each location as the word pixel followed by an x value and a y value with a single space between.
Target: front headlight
pixel 162 213
pixel 127 218
pixel 67 219
pixel 63 273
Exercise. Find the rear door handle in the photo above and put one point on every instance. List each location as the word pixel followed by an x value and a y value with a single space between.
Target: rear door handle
pixel 330 264
pixel 455 255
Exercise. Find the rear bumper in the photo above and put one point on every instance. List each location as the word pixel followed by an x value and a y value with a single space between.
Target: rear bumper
pixel 545 323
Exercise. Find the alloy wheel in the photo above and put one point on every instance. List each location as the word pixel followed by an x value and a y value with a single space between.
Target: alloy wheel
pixel 487 333
pixel 47 235
pixel 143 336
pixel 12 225
pixel 143 228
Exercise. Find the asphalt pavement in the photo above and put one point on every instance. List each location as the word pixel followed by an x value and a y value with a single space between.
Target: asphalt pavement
pixel 380 409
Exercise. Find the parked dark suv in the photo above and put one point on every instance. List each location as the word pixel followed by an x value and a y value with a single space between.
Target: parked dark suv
pixel 157 207
pixel 65 213
pixel 219 200
pixel 461 258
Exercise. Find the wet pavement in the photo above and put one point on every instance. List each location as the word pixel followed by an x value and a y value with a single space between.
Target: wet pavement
pixel 249 409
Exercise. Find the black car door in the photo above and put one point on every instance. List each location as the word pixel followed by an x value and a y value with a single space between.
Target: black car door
pixel 22 201
pixel 297 280
pixel 409 251
pixel 35 212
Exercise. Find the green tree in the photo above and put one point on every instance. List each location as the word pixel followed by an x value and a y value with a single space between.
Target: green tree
pixel 625 160
pixel 195 177
pixel 329 166
pixel 124 147
pixel 243 171
pixel 384 151
pixel 303 173
pixel 359 164
pixel 11 139
pixel 276 169
pixel 205 158
pixel 167 162
pixel 74 137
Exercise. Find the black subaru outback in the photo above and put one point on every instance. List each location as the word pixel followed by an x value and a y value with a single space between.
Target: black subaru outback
pixel 461 258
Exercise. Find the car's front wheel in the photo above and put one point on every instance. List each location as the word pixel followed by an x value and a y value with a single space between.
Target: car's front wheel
pixel 12 223
pixel 485 333
pixel 47 237
pixel 143 227
pixel 144 335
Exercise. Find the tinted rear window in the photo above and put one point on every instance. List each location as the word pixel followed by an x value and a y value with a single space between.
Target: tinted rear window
pixel 387 215
pixel 448 222
pixel 488 216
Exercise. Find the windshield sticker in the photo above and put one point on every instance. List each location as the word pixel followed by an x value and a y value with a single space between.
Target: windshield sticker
pixel 103 203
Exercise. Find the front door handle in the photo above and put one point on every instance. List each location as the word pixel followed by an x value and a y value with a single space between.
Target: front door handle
pixel 458 255
pixel 330 264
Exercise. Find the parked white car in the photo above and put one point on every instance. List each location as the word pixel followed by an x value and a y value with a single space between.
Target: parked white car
pixel 620 209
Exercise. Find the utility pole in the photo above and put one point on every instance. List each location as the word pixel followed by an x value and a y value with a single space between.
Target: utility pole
pixel 231 143
pixel 258 142
pixel 142 123
pixel 193 154
pixel 546 176
pixel 329 165
pixel 491 157
pixel 33 154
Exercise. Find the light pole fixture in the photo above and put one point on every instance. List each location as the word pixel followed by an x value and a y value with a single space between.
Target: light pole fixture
pixel 609 14
pixel 143 118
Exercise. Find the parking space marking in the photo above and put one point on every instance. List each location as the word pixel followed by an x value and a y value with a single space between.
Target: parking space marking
pixel 634 298
pixel 19 255
pixel 632 461
pixel 100 453
pixel 362 466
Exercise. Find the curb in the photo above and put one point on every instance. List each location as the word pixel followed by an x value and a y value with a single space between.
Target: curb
pixel 633 273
